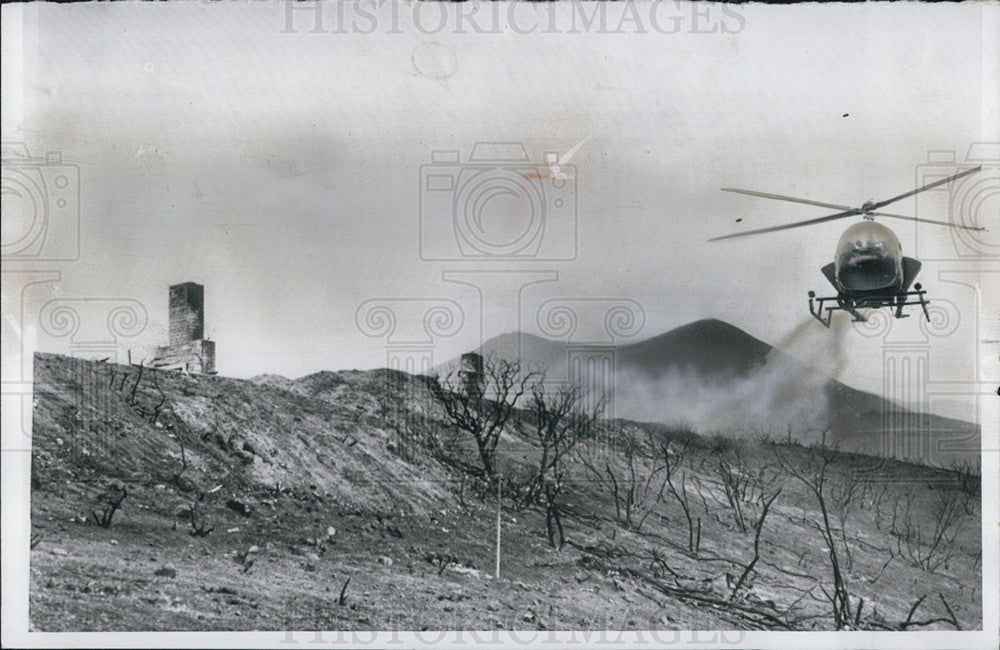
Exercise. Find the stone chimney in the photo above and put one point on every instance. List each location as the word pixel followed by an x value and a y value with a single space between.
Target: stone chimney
pixel 187 313
pixel 187 350
pixel 472 374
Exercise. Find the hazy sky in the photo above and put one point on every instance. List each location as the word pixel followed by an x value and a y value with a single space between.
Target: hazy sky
pixel 281 168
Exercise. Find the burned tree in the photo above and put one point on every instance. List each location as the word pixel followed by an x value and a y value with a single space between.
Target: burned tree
pixel 673 454
pixel 812 471
pixel 764 502
pixel 480 399
pixel 558 421
pixel 736 479
pixel 745 486
pixel 927 542
pixel 634 486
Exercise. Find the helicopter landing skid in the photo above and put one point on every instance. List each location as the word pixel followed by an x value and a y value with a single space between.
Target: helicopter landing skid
pixel 851 304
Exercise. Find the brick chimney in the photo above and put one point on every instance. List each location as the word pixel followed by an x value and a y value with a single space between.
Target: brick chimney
pixel 187 350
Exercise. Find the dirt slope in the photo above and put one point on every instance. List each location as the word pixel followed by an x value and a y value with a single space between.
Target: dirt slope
pixel 301 486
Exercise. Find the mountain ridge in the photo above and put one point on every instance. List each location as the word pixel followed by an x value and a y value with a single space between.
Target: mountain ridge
pixel 715 375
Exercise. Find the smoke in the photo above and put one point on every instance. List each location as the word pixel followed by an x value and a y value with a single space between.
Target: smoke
pixel 786 395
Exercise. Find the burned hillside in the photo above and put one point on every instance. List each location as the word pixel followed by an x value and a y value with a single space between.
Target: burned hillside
pixel 165 501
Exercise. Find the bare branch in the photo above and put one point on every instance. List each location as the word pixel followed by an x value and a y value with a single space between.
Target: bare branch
pixel 483 408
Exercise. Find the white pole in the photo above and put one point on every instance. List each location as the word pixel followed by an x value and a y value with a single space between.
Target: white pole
pixel 499 482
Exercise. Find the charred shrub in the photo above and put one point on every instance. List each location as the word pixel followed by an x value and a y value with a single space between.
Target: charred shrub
pixel 969 477
pixel 719 444
pixel 108 504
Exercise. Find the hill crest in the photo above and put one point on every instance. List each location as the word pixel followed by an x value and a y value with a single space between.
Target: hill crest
pixel 713 376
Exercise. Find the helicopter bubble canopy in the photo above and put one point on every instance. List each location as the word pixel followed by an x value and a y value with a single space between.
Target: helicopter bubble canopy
pixel 869 257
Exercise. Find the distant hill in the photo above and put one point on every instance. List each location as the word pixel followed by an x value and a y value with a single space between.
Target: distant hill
pixel 709 347
pixel 716 377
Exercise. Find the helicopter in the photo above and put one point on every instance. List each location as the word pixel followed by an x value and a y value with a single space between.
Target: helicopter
pixel 869 270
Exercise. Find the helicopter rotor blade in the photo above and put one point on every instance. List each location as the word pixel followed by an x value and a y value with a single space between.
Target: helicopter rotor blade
pixel 882 204
pixel 797 224
pixel 781 197
pixel 919 220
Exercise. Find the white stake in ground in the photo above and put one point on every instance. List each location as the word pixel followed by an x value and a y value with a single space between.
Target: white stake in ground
pixel 499 483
